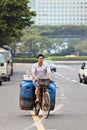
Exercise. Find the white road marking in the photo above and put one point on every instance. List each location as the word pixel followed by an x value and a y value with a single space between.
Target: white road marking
pixel 63 97
pixel 65 66
pixel 67 78
pixel 58 107
pixel 63 76
pixel 51 129
pixel 74 81
pixel 82 84
pixel 38 121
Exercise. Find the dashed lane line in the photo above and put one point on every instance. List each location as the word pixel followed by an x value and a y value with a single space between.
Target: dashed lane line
pixel 74 81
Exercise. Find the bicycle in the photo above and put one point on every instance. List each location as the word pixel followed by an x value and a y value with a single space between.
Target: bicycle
pixel 44 98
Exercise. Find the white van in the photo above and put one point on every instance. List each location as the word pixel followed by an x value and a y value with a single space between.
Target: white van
pixel 5 65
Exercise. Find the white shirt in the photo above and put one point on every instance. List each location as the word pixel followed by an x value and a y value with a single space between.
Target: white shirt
pixel 40 71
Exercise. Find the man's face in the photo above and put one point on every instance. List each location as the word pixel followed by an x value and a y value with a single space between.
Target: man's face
pixel 40 60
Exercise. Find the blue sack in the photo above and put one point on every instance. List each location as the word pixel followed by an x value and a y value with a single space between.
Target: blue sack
pixel 52 92
pixel 27 95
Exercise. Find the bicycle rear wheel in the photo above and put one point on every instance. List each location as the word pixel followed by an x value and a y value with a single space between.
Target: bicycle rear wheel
pixel 46 104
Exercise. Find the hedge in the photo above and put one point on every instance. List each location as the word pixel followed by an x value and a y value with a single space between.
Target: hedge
pixel 24 60
pixel 55 58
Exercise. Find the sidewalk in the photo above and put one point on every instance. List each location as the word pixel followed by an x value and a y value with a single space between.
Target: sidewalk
pixel 68 62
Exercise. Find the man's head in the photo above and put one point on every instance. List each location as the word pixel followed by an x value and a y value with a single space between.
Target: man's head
pixel 40 55
pixel 40 58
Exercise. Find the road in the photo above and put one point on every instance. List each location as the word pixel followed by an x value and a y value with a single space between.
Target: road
pixel 70 112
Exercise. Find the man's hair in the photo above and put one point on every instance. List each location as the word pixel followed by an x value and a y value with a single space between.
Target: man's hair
pixel 40 55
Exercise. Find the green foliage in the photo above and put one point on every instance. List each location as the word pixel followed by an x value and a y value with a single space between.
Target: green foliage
pixel 70 58
pixel 82 46
pixel 44 35
pixel 14 16
pixel 24 60
pixel 54 58
pixel 33 41
pixel 66 30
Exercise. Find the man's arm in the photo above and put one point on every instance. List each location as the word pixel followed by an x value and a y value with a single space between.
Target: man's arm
pixel 49 75
pixel 33 73
pixel 49 72
pixel 34 77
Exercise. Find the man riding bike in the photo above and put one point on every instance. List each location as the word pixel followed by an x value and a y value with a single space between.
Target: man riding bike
pixel 40 70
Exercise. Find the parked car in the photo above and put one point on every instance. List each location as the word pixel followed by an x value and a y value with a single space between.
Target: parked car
pixel 51 64
pixel 0 80
pixel 83 73
pixel 11 63
pixel 9 49
pixel 5 65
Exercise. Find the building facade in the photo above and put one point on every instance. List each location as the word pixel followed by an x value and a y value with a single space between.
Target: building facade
pixel 60 12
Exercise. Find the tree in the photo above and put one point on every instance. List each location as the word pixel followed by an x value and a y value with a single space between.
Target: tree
pixel 82 46
pixel 14 16
pixel 33 41
pixel 37 38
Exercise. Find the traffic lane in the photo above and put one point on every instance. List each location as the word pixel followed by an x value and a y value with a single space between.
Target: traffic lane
pixel 23 119
pixel 69 71
pixel 11 117
pixel 69 106
pixel 74 110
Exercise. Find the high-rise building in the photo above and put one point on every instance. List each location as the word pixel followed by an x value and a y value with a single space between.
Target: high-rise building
pixel 60 12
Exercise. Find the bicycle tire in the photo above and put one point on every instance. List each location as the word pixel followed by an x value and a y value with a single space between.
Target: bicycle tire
pixel 37 108
pixel 46 105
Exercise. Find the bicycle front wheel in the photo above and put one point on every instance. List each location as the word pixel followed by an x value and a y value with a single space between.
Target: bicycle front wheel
pixel 46 104
pixel 37 108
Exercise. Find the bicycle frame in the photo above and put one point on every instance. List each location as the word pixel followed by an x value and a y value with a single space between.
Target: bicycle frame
pixel 42 94
pixel 44 102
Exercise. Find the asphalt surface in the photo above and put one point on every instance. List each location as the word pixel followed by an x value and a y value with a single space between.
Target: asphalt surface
pixel 70 111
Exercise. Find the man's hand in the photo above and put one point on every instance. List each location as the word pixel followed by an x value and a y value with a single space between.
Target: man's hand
pixel 35 78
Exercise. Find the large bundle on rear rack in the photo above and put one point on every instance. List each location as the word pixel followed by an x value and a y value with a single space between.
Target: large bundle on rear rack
pixel 27 95
pixel 52 92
